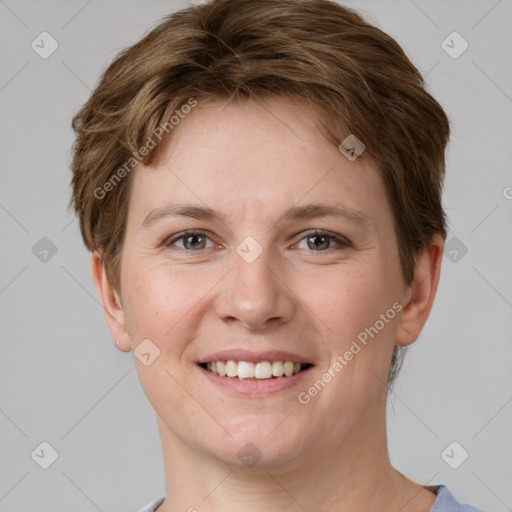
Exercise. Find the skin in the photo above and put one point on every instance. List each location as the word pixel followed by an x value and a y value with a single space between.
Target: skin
pixel 253 161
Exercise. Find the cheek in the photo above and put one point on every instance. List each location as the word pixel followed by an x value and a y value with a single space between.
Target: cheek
pixel 159 302
pixel 359 341
pixel 346 299
pixel 349 306
pixel 161 306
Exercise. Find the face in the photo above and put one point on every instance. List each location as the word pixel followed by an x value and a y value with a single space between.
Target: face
pixel 256 240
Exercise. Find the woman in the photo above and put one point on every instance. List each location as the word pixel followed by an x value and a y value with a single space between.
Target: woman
pixel 259 184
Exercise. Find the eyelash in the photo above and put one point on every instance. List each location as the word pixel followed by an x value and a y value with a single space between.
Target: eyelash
pixel 342 242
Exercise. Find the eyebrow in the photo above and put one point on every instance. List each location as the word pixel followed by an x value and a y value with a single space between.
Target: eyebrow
pixel 309 211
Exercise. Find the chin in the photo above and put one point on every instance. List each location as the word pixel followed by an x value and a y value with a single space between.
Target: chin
pixel 259 443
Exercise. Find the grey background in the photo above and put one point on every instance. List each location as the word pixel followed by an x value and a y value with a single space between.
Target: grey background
pixel 63 382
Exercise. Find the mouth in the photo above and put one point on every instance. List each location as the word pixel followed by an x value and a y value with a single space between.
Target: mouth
pixel 246 373
pixel 255 371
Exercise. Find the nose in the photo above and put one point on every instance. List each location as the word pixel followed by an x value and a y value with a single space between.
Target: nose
pixel 255 294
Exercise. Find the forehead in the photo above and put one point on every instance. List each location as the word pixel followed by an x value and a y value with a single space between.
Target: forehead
pixel 252 158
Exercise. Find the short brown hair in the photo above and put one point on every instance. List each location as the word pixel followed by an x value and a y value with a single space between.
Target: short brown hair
pixel 353 75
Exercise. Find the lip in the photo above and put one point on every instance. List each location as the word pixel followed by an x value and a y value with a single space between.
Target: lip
pixel 254 388
pixel 240 354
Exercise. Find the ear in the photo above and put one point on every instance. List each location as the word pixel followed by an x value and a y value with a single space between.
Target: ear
pixel 112 306
pixel 420 294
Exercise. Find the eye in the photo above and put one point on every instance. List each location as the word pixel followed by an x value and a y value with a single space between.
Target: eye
pixel 192 240
pixel 316 240
pixel 321 240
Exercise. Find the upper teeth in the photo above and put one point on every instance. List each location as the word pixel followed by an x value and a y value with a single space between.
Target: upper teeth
pixel 248 370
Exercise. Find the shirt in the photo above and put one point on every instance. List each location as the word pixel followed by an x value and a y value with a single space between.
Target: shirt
pixel 445 502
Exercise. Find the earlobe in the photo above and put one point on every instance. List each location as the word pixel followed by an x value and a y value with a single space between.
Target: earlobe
pixel 420 295
pixel 111 302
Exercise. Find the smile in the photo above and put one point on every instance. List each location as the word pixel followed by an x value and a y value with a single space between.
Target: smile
pixel 246 370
